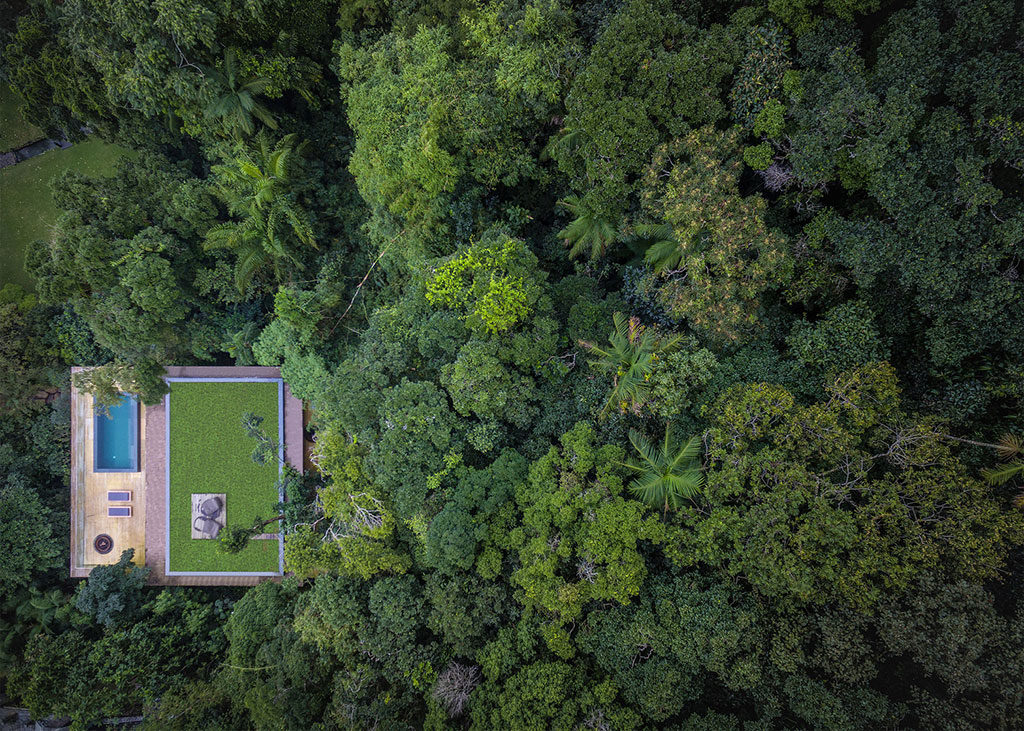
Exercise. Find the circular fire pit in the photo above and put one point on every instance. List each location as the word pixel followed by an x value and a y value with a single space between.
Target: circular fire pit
pixel 103 543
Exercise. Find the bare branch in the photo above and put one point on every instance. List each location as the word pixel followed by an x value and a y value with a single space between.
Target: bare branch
pixel 454 685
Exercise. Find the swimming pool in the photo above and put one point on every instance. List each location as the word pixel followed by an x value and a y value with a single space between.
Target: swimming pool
pixel 116 438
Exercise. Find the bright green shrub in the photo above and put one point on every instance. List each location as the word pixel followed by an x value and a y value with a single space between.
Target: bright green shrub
pixel 759 157
pixel 495 284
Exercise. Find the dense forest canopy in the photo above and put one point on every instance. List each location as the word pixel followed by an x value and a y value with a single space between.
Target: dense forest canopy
pixel 666 359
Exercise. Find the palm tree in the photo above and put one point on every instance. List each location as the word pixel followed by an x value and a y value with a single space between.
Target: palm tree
pixel 667 474
pixel 1009 448
pixel 257 189
pixel 564 142
pixel 586 232
pixel 643 236
pixel 235 104
pixel 630 359
pixel 663 251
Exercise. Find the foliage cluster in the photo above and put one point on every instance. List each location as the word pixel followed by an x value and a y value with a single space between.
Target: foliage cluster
pixel 664 361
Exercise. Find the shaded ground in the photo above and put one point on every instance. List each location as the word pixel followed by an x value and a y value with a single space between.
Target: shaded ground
pixel 27 210
pixel 14 131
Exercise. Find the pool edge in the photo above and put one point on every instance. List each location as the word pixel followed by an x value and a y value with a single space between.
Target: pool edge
pixel 133 444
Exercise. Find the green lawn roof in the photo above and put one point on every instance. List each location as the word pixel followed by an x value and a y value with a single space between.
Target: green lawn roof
pixel 209 452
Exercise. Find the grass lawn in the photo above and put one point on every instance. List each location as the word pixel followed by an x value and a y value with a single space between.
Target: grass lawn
pixel 210 452
pixel 27 209
pixel 15 132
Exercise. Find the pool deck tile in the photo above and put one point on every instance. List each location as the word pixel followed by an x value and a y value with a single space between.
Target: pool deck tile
pixel 89 495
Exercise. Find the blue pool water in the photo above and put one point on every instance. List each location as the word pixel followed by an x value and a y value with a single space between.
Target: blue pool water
pixel 116 438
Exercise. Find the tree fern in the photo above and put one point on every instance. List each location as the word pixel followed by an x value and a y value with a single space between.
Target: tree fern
pixel 250 260
pixel 257 188
pixel 1003 473
pixel 661 249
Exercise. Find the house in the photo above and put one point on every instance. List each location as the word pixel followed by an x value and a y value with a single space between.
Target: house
pixel 164 479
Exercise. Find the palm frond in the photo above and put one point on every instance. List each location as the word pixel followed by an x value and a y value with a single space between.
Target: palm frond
pixel 1003 473
pixel 264 115
pixel 629 360
pixel 644 235
pixel 256 188
pixel 1009 446
pixel 687 453
pixel 667 476
pixel 250 261
pixel 643 447
pixel 588 233
pixel 664 255
pixel 652 233
pixel 649 487
pixel 235 103
pixel 251 170
pixel 564 141
pixel 255 85
pixel 621 323
pixel 222 236
pixel 300 226
pixel 230 66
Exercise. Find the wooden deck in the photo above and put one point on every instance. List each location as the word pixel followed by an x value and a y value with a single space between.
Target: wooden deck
pixel 89 495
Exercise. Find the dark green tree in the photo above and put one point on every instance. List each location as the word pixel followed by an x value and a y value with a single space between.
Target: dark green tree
pixel 112 595
pixel 848 498
pixel 27 537
pixel 652 74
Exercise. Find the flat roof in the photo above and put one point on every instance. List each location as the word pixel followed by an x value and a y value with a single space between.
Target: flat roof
pixel 147 529
pixel 209 452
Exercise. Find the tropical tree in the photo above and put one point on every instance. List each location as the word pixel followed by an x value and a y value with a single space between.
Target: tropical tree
pixel 579 537
pixel 659 245
pixel 28 544
pixel 235 104
pixel 650 75
pixel 849 498
pixel 494 284
pixel 433 129
pixel 109 382
pixel 729 258
pixel 24 615
pixel 588 232
pixel 666 474
pixel 258 188
pixel 629 360
pixel 1010 449
pixel 112 595
pixel 234 538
